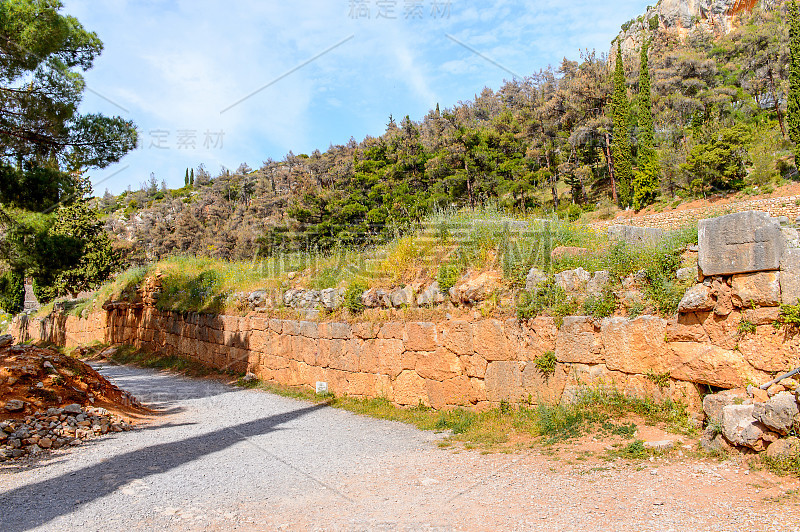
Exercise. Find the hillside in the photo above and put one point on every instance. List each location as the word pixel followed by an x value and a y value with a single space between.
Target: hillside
pixel 537 145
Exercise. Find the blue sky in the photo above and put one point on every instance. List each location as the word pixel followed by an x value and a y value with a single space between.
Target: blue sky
pixel 316 72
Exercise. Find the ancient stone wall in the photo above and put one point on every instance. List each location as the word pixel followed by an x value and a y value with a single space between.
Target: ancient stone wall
pixel 787 206
pixel 452 362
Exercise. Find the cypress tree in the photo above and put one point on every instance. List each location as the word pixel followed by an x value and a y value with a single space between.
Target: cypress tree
pixel 191 178
pixel 12 292
pixel 620 143
pixel 645 181
pixel 186 178
pixel 793 103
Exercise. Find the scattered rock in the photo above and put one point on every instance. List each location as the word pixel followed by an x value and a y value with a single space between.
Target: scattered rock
pixel 598 282
pixel 476 289
pixel 376 298
pixel 74 409
pixel 431 296
pixel 661 445
pixel 740 428
pixel 6 340
pixel 15 405
pixel 573 281
pixel 402 297
pixel 332 298
pixel 784 448
pixel 684 274
pixel 778 412
pixel 713 404
pixel 697 299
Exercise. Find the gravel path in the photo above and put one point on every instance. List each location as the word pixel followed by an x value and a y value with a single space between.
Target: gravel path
pixel 222 458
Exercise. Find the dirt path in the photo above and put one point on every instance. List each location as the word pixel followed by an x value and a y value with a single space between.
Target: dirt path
pixel 221 458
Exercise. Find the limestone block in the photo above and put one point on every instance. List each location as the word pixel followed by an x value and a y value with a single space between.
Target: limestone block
pixel 473 365
pixel 742 242
pixel 790 277
pixel 409 389
pixel 636 346
pixel 538 336
pixel 504 381
pixel 402 297
pixel 784 448
pixel 365 329
pixel 490 340
pixel 430 296
pixel 635 236
pixel 439 365
pixel 713 403
pixel 457 336
pixel 756 289
pixel 389 356
pixel 579 341
pixel 534 278
pixel 421 336
pixel 686 328
pixel 762 316
pixel 309 329
pixel 567 251
pixel 598 282
pixel 394 329
pixel 475 290
pixel 544 389
pixel 713 365
pixel 769 350
pixel 452 392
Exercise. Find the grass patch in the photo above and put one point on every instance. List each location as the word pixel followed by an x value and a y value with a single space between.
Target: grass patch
pixel 784 466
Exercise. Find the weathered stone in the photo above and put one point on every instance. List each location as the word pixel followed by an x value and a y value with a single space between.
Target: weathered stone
pixel 723 295
pixel 713 403
pixel 6 340
pixel 573 281
pixel 431 296
pixel 686 328
pixel 402 297
pixel 756 289
pixel 660 445
pixel 740 428
pixel 777 413
pixel 635 236
pixel 409 389
pixel 490 340
pixel 790 276
pixel 579 341
pixel 477 289
pixel 421 336
pixel 598 282
pixel 742 242
pixel 636 346
pixel 534 278
pixel 14 405
pixel 332 298
pixel 457 336
pixel 697 298
pixel 710 364
pixel 762 315
pixel 635 280
pixel 73 409
pixel 784 448
pixel 504 381
pixel 376 298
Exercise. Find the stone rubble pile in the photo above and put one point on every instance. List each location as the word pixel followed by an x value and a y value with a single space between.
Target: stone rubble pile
pixel 55 428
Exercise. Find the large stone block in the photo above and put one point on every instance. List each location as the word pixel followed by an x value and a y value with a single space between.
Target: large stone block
pixel 421 336
pixel 713 365
pixel 440 365
pixel 743 242
pixel 790 276
pixel 636 346
pixel 504 381
pixel 635 236
pixel 761 289
pixel 456 336
pixel 409 389
pixel 579 341
pixel 490 341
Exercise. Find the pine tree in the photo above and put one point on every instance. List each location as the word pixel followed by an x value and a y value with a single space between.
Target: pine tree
pixel 186 178
pixel 645 182
pixel 620 144
pixel 793 104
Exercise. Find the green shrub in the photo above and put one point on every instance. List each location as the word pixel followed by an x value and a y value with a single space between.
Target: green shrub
pixel 746 327
pixel 12 292
pixel 546 363
pixel 601 306
pixel 448 276
pixel 352 297
pixel 548 294
pixel 790 314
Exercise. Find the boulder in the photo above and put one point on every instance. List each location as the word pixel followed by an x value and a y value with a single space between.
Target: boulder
pixel 476 289
pixel 778 412
pixel 685 274
pixel 713 403
pixel 14 405
pixel 332 298
pixel 402 297
pixel 376 298
pixel 790 277
pixel 784 448
pixel 431 296
pixel 696 299
pixel 743 242
pixel 6 340
pixel 534 278
pixel 573 281
pixel 762 289
pixel 635 236
pixel 740 428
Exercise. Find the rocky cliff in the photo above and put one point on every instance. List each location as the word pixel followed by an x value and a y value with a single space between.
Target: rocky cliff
pixel 681 17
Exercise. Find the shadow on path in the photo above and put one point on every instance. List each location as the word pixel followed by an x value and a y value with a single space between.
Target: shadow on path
pixel 36 504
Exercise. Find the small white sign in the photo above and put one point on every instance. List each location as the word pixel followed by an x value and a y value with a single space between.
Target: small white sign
pixel 322 387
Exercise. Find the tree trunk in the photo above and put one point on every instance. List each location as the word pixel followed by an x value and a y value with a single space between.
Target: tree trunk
pixel 607 153
pixel 775 100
